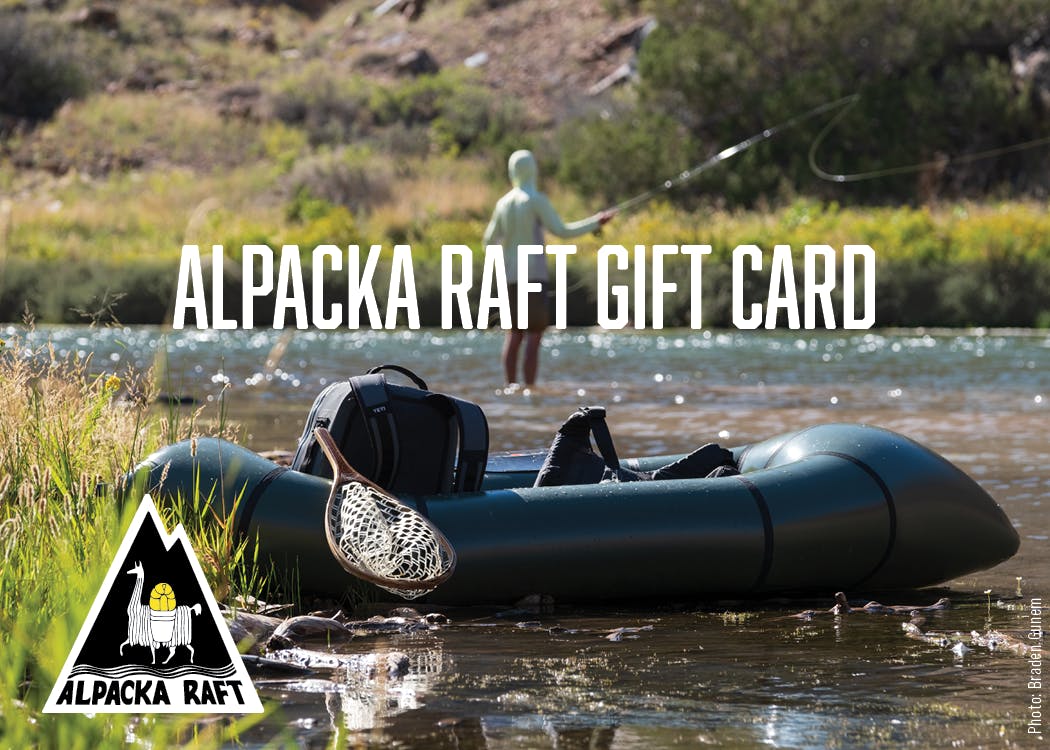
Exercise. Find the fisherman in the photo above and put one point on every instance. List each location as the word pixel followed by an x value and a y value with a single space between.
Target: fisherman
pixel 519 219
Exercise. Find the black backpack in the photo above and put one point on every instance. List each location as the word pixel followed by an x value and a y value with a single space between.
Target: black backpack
pixel 405 439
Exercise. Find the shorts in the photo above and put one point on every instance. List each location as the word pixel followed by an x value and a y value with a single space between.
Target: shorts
pixel 539 309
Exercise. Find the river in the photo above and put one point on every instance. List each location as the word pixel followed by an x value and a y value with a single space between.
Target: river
pixel 693 673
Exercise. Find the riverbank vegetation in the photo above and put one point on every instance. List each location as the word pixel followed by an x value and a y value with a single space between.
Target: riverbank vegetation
pixel 66 437
pixel 310 122
pixel 962 264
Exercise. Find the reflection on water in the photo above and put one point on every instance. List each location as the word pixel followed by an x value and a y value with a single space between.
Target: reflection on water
pixel 982 399
pixel 359 691
pixel 756 675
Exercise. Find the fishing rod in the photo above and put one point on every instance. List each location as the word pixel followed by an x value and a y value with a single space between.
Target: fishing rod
pixel 727 153
pixel 940 163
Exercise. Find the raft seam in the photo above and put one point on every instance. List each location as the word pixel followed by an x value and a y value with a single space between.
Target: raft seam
pixel 253 499
pixel 891 508
pixel 767 527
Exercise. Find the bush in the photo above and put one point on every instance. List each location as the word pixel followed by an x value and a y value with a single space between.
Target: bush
pixel 472 118
pixel 450 108
pixel 343 177
pixel 38 72
pixel 107 133
pixel 620 155
pixel 330 107
pixel 934 79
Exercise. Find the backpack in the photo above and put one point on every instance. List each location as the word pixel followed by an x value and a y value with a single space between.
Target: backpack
pixel 404 438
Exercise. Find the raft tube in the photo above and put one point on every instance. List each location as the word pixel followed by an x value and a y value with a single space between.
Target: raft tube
pixel 827 508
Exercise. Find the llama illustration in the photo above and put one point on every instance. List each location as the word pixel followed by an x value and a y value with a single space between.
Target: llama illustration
pixel 159 623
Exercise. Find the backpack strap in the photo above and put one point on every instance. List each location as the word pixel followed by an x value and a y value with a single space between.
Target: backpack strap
pixel 371 394
pixel 447 407
pixel 473 446
pixel 602 437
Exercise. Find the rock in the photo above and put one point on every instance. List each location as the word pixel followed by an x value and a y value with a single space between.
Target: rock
pixel 416 62
pixel 620 634
pixel 409 9
pixel 397 664
pixel 409 612
pixel 256 629
pixel 386 6
pixel 98 16
pixel 379 625
pixel 631 32
pixel 841 605
pixel 476 60
pixel 307 627
pixel 995 640
pixel 260 666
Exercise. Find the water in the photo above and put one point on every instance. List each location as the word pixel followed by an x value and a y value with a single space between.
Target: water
pixel 724 673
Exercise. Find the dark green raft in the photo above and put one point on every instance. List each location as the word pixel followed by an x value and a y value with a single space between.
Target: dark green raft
pixel 828 508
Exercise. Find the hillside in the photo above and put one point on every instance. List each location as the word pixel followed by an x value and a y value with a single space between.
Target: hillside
pixel 128 129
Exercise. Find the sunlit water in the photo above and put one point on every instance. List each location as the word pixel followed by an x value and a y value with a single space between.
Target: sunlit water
pixel 698 676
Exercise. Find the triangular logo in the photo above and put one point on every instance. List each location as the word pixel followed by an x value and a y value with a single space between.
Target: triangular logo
pixel 154 640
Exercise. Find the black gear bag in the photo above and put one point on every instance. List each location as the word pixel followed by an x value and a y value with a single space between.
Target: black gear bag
pixel 571 460
pixel 406 439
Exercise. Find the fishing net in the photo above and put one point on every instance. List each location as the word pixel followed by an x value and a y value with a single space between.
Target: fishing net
pixel 399 549
pixel 376 537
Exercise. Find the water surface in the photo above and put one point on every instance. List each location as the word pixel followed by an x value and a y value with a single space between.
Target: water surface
pixel 727 673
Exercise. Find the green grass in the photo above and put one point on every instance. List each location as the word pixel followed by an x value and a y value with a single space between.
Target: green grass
pixel 113 247
pixel 65 439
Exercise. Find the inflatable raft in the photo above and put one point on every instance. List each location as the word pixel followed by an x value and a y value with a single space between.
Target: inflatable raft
pixel 827 508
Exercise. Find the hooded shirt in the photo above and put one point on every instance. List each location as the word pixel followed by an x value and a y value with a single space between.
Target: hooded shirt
pixel 521 216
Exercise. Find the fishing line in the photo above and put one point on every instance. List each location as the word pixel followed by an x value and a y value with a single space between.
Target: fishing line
pixel 731 151
pixel 940 163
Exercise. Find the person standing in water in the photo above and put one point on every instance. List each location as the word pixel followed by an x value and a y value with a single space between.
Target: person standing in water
pixel 519 219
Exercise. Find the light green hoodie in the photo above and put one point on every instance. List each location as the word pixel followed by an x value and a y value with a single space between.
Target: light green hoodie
pixel 521 216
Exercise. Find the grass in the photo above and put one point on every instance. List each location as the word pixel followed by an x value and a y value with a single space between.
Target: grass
pixel 65 438
pixel 114 243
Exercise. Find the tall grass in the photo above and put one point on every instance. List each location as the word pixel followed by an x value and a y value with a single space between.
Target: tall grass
pixel 66 436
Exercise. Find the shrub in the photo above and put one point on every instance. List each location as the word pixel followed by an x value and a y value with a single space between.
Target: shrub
pixel 329 106
pixel 107 133
pixel 38 72
pixel 343 177
pixel 619 154
pixel 472 118
pixel 934 79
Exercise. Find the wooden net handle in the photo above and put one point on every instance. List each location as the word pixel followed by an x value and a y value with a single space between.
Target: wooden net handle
pixel 343 473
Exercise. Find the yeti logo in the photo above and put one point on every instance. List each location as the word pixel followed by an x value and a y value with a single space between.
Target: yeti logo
pixel 154 641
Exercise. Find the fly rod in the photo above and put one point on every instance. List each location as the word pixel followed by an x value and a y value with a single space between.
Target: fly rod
pixel 729 152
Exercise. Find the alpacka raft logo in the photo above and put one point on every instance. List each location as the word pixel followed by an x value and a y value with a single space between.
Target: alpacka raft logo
pixel 154 640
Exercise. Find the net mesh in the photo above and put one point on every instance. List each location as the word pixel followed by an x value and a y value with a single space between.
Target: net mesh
pixel 385 538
